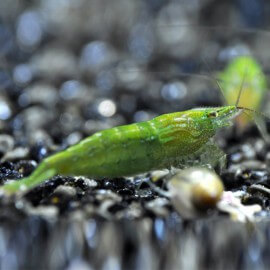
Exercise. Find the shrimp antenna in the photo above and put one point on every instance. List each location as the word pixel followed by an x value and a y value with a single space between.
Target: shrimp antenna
pixel 260 124
pixel 180 73
pixel 184 74
pixel 264 32
pixel 253 111
pixel 241 87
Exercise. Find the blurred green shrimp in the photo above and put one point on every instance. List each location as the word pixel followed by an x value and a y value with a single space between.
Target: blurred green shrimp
pixel 246 73
pixel 175 139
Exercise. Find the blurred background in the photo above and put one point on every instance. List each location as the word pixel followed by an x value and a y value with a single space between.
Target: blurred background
pixel 69 68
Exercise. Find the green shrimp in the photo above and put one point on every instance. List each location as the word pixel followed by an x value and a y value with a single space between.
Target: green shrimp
pixel 244 72
pixel 168 140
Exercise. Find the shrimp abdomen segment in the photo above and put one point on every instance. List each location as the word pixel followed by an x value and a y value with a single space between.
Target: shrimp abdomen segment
pixel 132 149
pixel 119 151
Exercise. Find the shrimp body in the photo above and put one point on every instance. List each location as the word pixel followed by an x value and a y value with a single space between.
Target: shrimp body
pixel 165 141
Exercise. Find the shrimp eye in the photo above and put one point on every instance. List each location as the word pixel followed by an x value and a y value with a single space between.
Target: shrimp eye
pixel 213 114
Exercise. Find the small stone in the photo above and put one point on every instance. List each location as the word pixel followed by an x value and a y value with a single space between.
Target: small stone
pixel 73 89
pixel 89 183
pixel 236 157
pixel 237 211
pixel 36 117
pixel 6 143
pixel 141 41
pixel 126 192
pixel 41 93
pixel 134 211
pixel 174 91
pixel 267 159
pixel 48 211
pixel 55 62
pixel 38 151
pixel 96 55
pixel 248 151
pixel 26 167
pixel 177 41
pixel 70 121
pixel 40 137
pixel 29 29
pixel 114 184
pixel 22 74
pixel 159 174
pixel 6 39
pixel 16 154
pixel 259 188
pixel 141 116
pixel 231 52
pixel 107 108
pixel 67 190
pixel 5 109
pixel 91 126
pixel 158 206
pixel 103 194
pixel 232 179
pixel 74 138
pixel 79 264
pixel 130 76
pixel 5 78
pixel 251 200
pixel 105 81
pixel 8 171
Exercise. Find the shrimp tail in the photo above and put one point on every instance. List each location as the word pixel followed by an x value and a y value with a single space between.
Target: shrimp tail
pixel 41 174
